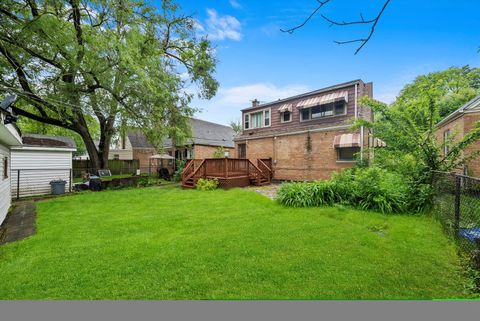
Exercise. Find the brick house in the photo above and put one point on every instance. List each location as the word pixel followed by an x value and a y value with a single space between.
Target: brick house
pixel 206 138
pixel 307 136
pixel 455 126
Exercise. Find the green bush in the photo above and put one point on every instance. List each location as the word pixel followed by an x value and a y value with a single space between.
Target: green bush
pixel 177 176
pixel 207 184
pixel 370 188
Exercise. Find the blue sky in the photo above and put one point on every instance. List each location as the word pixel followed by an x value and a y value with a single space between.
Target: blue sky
pixel 256 60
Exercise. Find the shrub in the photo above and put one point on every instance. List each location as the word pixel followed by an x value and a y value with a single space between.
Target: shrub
pixel 370 188
pixel 219 152
pixel 177 176
pixel 207 184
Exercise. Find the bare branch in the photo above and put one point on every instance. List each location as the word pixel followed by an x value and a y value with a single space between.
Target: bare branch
pixel 321 4
pixel 373 22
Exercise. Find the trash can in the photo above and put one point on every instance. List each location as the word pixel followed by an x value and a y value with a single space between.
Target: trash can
pixel 58 187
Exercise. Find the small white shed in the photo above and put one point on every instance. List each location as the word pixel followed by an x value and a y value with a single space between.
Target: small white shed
pixel 40 160
pixel 9 136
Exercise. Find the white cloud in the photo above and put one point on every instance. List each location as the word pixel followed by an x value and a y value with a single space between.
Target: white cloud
pixel 235 4
pixel 265 92
pixel 229 101
pixel 222 27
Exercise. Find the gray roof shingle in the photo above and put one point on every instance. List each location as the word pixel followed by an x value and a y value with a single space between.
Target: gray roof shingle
pixel 48 141
pixel 203 133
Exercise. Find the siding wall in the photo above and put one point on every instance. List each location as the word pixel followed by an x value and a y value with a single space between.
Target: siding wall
pixel 295 124
pixel 123 154
pixel 37 169
pixel 5 199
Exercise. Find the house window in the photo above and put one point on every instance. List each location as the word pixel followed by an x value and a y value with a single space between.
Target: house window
pixel 242 150
pixel 116 156
pixel 347 154
pixel 5 167
pixel 286 117
pixel 257 119
pixel 446 138
pixel 326 110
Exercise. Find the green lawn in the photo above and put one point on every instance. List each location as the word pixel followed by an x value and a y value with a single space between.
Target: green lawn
pixel 168 243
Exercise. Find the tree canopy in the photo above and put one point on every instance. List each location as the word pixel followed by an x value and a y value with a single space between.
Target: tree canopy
pixel 116 63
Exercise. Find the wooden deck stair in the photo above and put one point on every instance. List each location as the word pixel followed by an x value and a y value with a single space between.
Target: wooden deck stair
pixel 230 172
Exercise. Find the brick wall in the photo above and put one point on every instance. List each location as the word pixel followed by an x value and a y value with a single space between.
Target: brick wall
pixel 203 151
pixel 291 158
pixel 473 167
pixel 458 128
pixel 143 157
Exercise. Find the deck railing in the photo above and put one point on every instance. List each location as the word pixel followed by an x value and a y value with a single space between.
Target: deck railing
pixel 223 169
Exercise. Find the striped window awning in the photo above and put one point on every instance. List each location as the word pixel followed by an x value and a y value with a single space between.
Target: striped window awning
pixel 325 99
pixel 346 140
pixel 285 107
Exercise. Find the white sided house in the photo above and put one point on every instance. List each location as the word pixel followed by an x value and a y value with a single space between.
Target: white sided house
pixel 9 136
pixel 40 160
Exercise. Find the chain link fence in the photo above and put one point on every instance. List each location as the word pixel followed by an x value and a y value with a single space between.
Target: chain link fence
pixel 457 207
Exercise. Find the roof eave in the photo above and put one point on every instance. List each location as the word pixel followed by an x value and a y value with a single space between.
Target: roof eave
pixel 318 91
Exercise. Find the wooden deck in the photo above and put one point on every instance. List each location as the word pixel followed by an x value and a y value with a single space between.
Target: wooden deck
pixel 230 172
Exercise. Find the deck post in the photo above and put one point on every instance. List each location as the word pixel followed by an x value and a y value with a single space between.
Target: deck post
pixel 456 223
pixel 226 167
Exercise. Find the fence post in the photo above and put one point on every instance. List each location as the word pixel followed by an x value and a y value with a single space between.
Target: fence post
pixel 458 187
pixel 18 184
pixel 71 179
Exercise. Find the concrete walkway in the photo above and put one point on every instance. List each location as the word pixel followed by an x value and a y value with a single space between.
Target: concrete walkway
pixel 20 223
pixel 269 191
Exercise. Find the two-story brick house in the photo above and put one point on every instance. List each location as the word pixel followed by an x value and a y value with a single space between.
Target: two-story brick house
pixel 307 136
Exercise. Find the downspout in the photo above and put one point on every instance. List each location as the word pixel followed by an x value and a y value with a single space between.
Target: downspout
pixel 361 128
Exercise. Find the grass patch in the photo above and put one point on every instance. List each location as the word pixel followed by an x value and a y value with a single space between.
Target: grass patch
pixel 168 243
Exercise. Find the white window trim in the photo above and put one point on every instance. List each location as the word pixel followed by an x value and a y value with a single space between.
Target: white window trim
pixel 288 121
pixel 324 117
pixel 263 118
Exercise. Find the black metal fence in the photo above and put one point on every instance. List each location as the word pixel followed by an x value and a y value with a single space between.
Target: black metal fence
pixel 457 207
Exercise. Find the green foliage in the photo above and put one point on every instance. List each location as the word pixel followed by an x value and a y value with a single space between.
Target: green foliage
pixel 236 126
pixel 180 166
pixel 219 152
pixel 117 63
pixel 371 188
pixel 146 181
pixel 204 184
pixel 408 127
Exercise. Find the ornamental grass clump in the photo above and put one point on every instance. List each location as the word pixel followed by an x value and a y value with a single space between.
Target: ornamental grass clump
pixel 370 188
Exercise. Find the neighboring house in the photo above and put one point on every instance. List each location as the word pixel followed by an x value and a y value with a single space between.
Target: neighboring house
pixel 307 136
pixel 455 126
pixel 38 161
pixel 206 138
pixel 9 137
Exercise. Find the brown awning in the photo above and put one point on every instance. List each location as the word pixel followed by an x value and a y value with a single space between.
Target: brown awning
pixel 285 107
pixel 346 140
pixel 325 99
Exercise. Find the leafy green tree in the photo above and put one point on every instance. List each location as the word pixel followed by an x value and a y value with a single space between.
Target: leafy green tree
pixel 219 152
pixel 449 89
pixel 117 62
pixel 236 126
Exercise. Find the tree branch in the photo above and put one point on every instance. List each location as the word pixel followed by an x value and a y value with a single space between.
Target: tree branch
pixel 321 4
pixel 373 22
